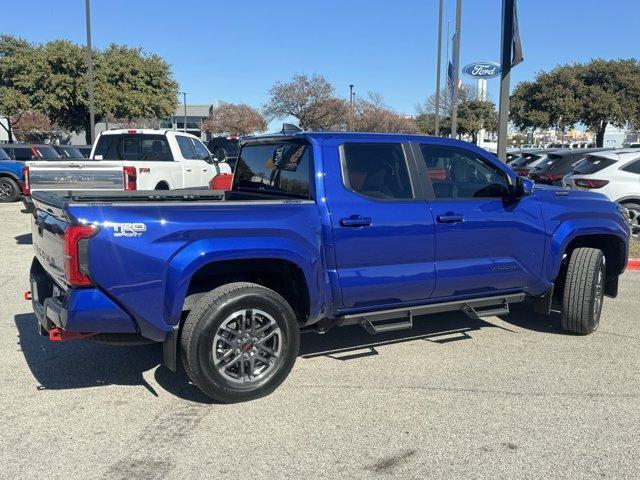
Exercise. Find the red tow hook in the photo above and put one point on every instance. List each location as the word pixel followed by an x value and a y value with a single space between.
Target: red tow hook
pixel 27 295
pixel 59 335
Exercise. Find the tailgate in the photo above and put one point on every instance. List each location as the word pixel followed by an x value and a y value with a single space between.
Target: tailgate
pixel 76 175
pixel 48 225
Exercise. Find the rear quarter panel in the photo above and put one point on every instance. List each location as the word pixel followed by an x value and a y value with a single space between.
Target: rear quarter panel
pixel 148 274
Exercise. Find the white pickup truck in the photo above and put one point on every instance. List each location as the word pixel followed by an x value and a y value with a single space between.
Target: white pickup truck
pixel 135 159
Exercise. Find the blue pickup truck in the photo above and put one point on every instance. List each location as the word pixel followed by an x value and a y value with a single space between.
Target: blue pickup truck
pixel 11 178
pixel 319 230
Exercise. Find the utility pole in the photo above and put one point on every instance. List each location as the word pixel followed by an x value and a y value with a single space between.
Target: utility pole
pixel 184 103
pixel 505 76
pixel 351 107
pixel 456 71
pixel 92 104
pixel 437 121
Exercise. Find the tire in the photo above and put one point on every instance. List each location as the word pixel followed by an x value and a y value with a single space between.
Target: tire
pixel 9 190
pixel 162 186
pixel 583 291
pixel 218 349
pixel 634 211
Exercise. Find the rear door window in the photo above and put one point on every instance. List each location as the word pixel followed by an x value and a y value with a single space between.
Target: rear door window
pixel 633 167
pixel 376 170
pixel 591 165
pixel 279 169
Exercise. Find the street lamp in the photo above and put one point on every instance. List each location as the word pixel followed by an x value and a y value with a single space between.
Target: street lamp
pixel 184 96
pixel 351 107
pixel 92 104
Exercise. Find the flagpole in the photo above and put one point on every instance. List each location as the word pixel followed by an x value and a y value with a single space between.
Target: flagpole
pixel 456 71
pixel 437 119
pixel 505 77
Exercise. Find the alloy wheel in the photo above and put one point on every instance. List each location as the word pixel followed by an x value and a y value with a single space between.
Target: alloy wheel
pixel 247 346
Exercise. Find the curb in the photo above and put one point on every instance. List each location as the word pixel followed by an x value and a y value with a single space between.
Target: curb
pixel 634 264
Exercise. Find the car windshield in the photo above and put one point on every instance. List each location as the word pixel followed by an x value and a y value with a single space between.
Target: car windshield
pixel 45 151
pixel 70 152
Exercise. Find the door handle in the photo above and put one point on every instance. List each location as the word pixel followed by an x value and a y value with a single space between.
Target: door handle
pixel 187 169
pixel 355 221
pixel 450 218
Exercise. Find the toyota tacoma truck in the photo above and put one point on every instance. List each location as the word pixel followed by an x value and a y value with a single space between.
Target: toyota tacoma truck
pixel 133 159
pixel 319 230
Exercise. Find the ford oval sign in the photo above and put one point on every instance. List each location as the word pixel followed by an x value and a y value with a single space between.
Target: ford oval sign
pixel 482 70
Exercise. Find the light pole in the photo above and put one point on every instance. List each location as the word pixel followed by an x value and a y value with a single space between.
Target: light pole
pixel 456 71
pixel 437 119
pixel 92 104
pixel 184 96
pixel 351 107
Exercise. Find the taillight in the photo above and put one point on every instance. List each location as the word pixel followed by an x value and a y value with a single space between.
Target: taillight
pixel 26 183
pixel 550 177
pixel 130 178
pixel 221 182
pixel 588 183
pixel 76 254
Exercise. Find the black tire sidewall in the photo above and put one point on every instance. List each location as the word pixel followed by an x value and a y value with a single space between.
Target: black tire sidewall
pixel 14 189
pixel 211 320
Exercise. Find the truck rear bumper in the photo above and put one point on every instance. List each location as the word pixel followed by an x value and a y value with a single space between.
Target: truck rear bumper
pixel 85 310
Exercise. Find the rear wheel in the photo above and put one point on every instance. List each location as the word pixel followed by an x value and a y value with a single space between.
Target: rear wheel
pixel 583 291
pixel 634 214
pixel 240 342
pixel 9 190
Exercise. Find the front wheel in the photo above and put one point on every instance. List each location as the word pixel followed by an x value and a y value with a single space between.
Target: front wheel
pixel 240 342
pixel 634 215
pixel 583 291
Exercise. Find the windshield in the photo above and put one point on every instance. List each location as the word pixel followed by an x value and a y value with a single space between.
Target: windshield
pixel 45 151
pixel 70 152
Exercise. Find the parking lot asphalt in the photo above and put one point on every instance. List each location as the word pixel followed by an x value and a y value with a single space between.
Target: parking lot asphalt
pixel 510 397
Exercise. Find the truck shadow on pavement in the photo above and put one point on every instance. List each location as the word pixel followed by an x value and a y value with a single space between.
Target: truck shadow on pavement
pixel 81 364
pixel 24 239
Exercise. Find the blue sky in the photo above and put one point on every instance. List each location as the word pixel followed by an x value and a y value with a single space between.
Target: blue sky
pixel 235 51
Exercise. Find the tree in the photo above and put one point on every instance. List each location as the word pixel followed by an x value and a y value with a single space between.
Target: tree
pixel 309 98
pixel 15 71
pixel 467 92
pixel 373 115
pixel 596 94
pixel 51 78
pixel 36 127
pixel 426 123
pixel 235 119
pixel 476 115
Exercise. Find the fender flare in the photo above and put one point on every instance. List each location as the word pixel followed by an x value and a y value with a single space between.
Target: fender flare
pixel 569 230
pixel 204 252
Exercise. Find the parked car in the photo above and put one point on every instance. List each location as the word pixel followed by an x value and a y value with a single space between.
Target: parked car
pixel 527 160
pixel 11 178
pixel 26 152
pixel 133 160
pixel 68 151
pixel 225 149
pixel 557 164
pixel 616 174
pixel 321 229
pixel 84 149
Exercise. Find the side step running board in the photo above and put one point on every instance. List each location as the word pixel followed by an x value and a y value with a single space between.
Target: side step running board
pixel 402 318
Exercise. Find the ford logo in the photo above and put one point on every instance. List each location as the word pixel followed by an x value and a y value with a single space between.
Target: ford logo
pixel 482 70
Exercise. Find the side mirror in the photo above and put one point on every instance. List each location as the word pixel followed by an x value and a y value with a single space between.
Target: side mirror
pixel 523 187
